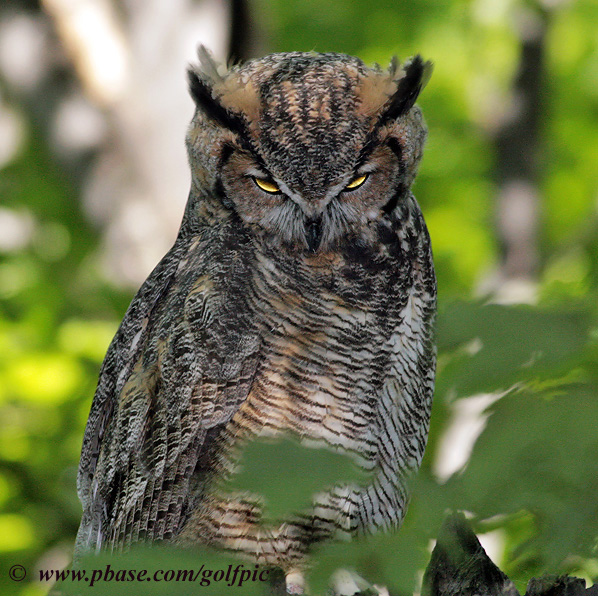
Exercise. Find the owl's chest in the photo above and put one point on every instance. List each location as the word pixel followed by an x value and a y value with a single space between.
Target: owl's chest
pixel 323 361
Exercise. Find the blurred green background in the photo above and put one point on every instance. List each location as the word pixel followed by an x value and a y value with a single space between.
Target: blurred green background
pixel 508 186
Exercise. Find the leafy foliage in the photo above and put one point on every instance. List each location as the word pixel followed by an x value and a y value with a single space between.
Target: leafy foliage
pixel 285 475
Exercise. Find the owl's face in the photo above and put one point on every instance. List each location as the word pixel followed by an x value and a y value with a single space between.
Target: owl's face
pixel 306 149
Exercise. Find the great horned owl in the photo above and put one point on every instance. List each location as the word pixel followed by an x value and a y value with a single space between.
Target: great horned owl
pixel 299 296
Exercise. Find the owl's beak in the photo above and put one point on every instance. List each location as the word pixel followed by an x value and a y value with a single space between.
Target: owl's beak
pixel 313 233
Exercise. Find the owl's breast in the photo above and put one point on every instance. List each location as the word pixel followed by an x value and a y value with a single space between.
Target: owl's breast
pixel 323 362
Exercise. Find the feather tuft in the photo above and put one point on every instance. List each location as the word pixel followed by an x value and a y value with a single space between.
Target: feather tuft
pixel 417 74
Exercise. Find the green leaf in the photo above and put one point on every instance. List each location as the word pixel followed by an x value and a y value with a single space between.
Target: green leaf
pixel 490 348
pixel 286 475
pixel 538 453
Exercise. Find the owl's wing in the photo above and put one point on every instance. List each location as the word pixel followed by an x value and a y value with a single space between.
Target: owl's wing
pixel 181 363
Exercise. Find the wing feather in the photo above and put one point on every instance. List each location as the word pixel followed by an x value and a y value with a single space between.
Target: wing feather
pixel 174 374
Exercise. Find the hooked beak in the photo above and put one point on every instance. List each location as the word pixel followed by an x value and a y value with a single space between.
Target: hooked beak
pixel 313 233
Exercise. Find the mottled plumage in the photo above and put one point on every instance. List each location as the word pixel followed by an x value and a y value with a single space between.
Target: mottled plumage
pixel 299 296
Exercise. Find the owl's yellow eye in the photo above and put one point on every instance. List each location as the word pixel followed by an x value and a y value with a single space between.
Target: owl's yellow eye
pixel 357 182
pixel 266 185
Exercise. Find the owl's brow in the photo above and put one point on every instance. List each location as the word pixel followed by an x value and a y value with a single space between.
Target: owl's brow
pixel 245 144
pixel 371 143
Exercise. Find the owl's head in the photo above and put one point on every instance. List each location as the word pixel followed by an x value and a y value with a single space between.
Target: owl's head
pixel 306 149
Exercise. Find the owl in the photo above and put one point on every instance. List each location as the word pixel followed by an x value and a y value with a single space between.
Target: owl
pixel 299 297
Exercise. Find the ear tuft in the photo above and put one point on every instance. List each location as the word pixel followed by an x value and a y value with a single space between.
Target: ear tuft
pixel 202 80
pixel 208 66
pixel 417 74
